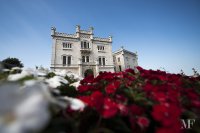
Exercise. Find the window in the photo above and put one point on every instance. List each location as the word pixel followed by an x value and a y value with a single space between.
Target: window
pixel 118 59
pixel 120 68
pixel 64 60
pixel 85 45
pixel 67 45
pixel 127 58
pixel 85 59
pixel 81 44
pixel 88 45
pixel 100 48
pixel 99 60
pixel 69 60
pixel 102 61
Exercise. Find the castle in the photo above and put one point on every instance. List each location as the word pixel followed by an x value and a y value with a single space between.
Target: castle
pixel 83 51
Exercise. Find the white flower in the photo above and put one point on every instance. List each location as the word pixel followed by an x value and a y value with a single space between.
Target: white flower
pixel 23 109
pixel 18 76
pixel 56 81
pixel 74 103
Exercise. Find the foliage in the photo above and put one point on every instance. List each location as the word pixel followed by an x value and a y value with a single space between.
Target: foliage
pixel 148 101
pixel 29 77
pixel 11 62
pixel 15 71
pixel 3 75
pixel 50 75
pixel 67 90
pixel 70 79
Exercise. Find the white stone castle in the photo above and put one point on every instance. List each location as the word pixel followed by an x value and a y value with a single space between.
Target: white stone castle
pixel 83 51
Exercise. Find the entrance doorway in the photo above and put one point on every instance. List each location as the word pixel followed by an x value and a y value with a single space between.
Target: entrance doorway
pixel 88 72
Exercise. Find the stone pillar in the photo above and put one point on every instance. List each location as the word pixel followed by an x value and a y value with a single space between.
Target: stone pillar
pixel 80 67
pixel 96 67
pixel 136 58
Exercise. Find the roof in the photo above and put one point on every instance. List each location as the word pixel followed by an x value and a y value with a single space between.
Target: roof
pixel 125 51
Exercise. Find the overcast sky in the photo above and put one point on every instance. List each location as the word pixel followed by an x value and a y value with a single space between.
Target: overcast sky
pixel 165 33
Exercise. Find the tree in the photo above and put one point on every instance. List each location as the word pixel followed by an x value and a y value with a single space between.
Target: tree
pixel 12 62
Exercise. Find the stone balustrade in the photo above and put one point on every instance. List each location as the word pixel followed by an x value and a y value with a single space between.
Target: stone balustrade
pixel 102 39
pixel 65 35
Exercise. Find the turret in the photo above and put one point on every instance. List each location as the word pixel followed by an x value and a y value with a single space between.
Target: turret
pixel 53 31
pixel 91 32
pixel 110 38
pixel 78 31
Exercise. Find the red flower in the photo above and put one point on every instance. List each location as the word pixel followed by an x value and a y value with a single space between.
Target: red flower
pixel 112 87
pixel 139 68
pixel 86 99
pixel 120 98
pixel 160 96
pixel 123 109
pixel 166 113
pixel 88 79
pixel 143 122
pixel 97 100
pixel 196 103
pixel 84 88
pixel 136 110
pixel 132 121
pixel 109 108
pixel 130 71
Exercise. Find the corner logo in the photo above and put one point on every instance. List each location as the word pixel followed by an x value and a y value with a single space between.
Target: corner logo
pixel 187 123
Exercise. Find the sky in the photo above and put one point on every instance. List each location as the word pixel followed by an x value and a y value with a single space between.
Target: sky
pixel 165 33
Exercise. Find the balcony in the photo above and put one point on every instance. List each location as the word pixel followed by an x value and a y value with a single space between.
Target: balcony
pixel 88 63
pixel 85 50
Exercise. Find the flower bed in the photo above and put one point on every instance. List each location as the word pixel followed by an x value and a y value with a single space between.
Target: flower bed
pixel 147 101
